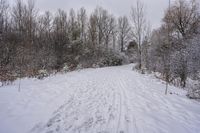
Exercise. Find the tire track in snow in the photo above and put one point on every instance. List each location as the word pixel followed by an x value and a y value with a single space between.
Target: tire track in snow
pixel 116 102
pixel 97 96
pixel 120 113
pixel 127 116
pixel 124 123
pixel 111 114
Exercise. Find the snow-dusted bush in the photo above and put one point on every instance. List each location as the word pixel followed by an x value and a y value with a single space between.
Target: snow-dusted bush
pixel 194 94
pixel 95 66
pixel 194 91
pixel 101 58
pixel 143 70
pixel 111 58
pixel 136 67
pixel 6 77
pixel 42 74
pixel 112 61
pixel 66 68
pixel 79 66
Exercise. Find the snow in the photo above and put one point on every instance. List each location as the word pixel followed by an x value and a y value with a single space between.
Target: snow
pixel 103 100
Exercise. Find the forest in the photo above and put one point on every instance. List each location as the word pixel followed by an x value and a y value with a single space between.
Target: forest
pixel 33 43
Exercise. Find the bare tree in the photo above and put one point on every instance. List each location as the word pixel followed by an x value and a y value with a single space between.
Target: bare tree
pixel 123 31
pixel 44 27
pixel 61 37
pixel 19 26
pixel 18 17
pixel 45 41
pixel 184 18
pixel 73 26
pixel 82 22
pixel 139 24
pixel 108 29
pixel 102 22
pixel 3 16
pixel 114 35
pixel 31 16
pixel 92 30
pixel 4 48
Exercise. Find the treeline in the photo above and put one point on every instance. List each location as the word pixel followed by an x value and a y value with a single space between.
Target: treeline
pixel 31 41
pixel 175 46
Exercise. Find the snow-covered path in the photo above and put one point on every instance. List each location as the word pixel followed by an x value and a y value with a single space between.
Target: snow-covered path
pixel 105 100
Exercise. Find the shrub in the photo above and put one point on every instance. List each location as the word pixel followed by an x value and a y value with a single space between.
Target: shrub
pixel 66 68
pixel 42 74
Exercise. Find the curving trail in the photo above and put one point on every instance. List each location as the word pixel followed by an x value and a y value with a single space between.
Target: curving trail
pixel 114 100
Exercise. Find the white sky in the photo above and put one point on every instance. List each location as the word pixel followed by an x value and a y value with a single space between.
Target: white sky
pixel 154 8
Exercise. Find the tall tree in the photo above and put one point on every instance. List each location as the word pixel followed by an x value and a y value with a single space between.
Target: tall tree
pixel 3 16
pixel 4 47
pixel 108 29
pixel 184 18
pixel 102 21
pixel 30 18
pixel 123 31
pixel 82 22
pixel 61 37
pixel 18 18
pixel 139 24
pixel 73 26
pixel 93 31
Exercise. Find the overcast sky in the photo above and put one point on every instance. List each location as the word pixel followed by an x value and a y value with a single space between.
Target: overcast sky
pixel 154 8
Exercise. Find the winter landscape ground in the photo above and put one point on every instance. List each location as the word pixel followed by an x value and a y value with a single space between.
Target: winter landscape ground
pixel 102 100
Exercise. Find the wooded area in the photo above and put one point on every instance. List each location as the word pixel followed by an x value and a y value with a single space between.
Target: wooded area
pixel 31 41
